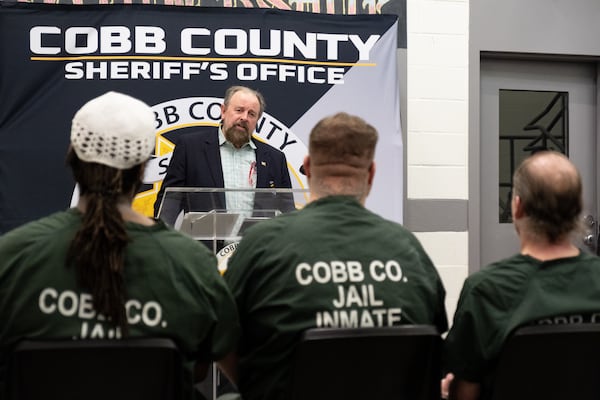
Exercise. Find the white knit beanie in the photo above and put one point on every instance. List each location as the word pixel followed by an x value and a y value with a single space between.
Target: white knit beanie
pixel 115 130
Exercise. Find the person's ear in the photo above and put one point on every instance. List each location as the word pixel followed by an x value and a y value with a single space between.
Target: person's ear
pixel 517 207
pixel 306 165
pixel 371 172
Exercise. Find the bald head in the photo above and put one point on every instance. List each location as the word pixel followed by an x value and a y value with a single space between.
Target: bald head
pixel 341 151
pixel 550 192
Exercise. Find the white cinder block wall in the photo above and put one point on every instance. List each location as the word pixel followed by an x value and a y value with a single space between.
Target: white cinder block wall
pixel 437 120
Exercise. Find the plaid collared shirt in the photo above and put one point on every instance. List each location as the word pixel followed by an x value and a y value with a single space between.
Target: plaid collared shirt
pixel 239 172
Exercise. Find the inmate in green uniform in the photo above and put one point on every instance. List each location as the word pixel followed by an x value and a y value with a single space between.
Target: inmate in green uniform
pixel 514 292
pixel 173 290
pixel 331 264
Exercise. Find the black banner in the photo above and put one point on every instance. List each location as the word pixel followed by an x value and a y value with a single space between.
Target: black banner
pixel 179 60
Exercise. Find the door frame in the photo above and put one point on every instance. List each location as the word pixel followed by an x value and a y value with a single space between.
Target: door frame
pixel 474 169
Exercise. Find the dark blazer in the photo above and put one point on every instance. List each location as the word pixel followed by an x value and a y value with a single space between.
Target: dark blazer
pixel 196 162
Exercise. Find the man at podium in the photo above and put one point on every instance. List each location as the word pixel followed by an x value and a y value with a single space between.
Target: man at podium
pixel 226 157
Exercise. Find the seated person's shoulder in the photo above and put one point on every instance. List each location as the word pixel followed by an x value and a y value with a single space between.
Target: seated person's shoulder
pixel 49 227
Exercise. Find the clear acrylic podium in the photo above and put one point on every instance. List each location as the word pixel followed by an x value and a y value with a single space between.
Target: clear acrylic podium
pixel 202 213
pixel 205 215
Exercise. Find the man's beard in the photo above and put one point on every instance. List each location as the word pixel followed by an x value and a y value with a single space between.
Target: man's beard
pixel 238 137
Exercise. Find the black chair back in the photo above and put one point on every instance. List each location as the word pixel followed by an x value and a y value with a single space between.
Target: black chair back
pixel 128 369
pixel 400 362
pixel 550 362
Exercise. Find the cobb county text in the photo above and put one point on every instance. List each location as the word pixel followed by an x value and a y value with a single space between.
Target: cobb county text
pixel 142 52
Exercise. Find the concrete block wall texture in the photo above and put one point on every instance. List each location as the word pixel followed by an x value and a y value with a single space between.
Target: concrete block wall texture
pixel 437 121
